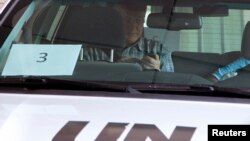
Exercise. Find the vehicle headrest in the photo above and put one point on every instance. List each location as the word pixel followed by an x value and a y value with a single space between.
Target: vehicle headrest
pixel 96 25
pixel 178 21
pixel 245 44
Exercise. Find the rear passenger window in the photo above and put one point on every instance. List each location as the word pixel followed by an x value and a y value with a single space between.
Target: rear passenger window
pixel 217 35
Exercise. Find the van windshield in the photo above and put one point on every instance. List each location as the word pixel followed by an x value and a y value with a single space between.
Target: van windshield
pixel 181 42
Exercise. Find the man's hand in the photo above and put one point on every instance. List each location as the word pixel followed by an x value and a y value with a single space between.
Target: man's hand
pixel 151 62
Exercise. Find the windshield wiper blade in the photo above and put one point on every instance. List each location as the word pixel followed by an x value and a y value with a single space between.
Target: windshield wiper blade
pixel 238 91
pixel 32 82
pixel 198 89
pixel 222 91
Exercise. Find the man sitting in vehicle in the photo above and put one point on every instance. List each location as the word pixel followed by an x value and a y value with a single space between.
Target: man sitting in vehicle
pixel 150 54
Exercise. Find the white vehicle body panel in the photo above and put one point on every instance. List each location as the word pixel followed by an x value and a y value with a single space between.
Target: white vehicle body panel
pixel 41 117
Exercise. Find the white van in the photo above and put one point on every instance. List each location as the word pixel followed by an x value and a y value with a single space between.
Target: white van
pixel 121 70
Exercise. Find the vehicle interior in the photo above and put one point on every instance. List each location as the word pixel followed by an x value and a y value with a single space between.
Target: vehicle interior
pixel 202 36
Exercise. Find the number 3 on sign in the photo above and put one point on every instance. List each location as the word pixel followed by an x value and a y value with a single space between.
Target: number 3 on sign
pixel 42 57
pixel 39 60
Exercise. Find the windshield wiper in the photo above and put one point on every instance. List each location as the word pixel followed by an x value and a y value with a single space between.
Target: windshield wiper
pixel 32 83
pixel 237 91
pixel 199 89
pixel 222 91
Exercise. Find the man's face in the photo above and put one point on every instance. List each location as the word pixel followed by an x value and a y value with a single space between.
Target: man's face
pixel 133 22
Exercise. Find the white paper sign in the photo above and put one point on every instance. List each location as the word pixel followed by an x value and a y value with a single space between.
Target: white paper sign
pixel 41 60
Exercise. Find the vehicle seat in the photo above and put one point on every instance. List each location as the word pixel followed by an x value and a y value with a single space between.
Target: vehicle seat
pixel 242 79
pixel 95 24
pixel 245 44
pixel 245 48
